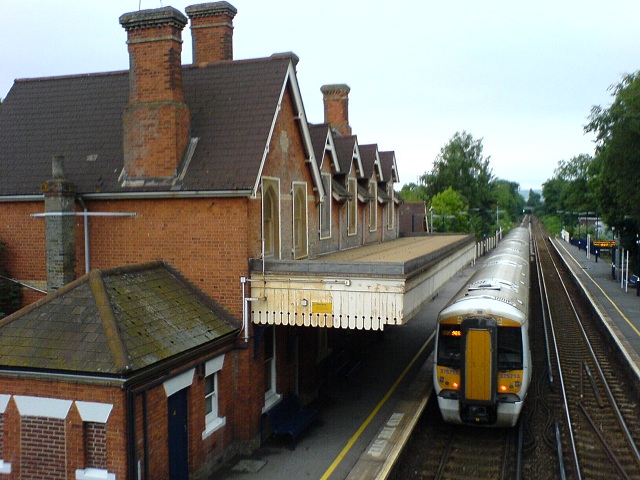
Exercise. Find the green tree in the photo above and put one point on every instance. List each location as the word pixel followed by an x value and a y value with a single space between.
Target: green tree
pixel 509 201
pixel 462 166
pixel 578 192
pixel 554 196
pixel 534 200
pixel 449 212
pixel 412 192
pixel 10 292
pixel 617 131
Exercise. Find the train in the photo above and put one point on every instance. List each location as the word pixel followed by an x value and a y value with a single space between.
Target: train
pixel 482 356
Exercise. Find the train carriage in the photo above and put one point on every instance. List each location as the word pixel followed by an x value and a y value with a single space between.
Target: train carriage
pixel 482 366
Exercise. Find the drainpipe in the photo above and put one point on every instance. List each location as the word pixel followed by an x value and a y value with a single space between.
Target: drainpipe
pixel 245 311
pixel 87 257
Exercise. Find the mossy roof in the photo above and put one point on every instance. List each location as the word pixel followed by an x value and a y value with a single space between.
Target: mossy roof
pixel 113 322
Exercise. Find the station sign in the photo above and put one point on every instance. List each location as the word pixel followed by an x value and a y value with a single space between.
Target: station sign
pixel 604 243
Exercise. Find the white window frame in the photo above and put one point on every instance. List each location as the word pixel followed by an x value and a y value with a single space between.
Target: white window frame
pixel 373 206
pixel 300 251
pixel 212 420
pixel 391 213
pixel 326 207
pixel 352 206
pixel 267 183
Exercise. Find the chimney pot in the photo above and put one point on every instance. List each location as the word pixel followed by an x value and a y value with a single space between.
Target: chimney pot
pixel 336 107
pixel 212 31
pixel 156 121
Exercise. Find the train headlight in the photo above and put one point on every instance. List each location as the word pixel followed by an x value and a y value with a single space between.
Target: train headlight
pixel 455 385
pixel 503 388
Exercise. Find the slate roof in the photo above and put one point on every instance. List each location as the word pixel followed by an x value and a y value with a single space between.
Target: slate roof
pixel 344 149
pixel 319 140
pixel 388 165
pixel 113 322
pixel 232 106
pixel 369 157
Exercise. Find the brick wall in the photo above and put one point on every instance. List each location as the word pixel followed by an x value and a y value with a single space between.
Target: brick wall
pixel 48 448
pixel 42 442
pixel 95 445
pixel 205 239
pixel 286 161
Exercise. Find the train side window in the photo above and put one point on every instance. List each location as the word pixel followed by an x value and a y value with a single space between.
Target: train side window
pixel 449 346
pixel 509 348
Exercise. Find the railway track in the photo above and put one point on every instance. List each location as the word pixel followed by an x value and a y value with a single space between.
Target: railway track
pixel 588 442
pixel 595 410
pixel 443 451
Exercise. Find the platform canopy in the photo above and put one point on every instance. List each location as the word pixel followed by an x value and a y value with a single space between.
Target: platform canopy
pixel 361 288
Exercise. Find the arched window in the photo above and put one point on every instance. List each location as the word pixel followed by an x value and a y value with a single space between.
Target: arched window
pixel 352 207
pixel 271 217
pixel 300 220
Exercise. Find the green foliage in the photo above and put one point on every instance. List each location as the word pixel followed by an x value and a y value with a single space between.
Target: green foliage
pixel 509 201
pixel 552 223
pixel 460 165
pixel 572 191
pixel 449 212
pixel 412 192
pixel 534 200
pixel 10 292
pixel 617 164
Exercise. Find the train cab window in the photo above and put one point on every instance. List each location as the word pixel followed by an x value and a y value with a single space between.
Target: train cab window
pixel 509 348
pixel 449 345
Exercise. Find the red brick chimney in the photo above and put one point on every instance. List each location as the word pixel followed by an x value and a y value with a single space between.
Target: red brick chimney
pixel 156 121
pixel 336 107
pixel 212 31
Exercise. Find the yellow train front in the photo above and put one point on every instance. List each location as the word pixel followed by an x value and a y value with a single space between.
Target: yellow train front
pixel 482 360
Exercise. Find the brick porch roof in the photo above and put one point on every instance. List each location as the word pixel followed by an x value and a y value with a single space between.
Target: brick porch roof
pixel 232 106
pixel 113 322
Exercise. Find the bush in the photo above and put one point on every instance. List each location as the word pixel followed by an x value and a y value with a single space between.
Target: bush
pixel 552 223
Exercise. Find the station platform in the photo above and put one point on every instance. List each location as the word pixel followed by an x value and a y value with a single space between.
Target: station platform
pixel 617 303
pixel 365 421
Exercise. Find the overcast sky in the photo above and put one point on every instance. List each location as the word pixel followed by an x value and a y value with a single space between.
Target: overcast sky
pixel 521 76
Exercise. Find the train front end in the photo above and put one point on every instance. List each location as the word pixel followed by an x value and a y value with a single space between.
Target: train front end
pixel 482 361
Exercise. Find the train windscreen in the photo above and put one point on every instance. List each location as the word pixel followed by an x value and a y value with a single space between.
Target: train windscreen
pixel 449 346
pixel 509 348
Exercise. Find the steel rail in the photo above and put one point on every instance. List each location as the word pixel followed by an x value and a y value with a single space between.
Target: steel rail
pixel 614 404
pixel 544 300
pixel 572 441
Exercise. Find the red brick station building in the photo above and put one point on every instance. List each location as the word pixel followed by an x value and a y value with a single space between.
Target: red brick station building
pixel 191 251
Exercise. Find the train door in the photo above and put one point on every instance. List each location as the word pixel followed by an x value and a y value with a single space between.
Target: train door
pixel 478 370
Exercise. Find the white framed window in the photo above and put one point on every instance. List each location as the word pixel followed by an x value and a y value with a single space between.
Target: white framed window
pixel 212 419
pixel 325 207
pixel 271 216
pixel 352 207
pixel 300 237
pixel 391 214
pixel 373 206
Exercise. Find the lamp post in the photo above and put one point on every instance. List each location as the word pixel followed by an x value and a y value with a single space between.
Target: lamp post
pixel 431 212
